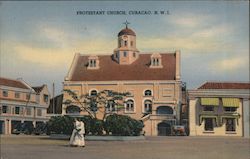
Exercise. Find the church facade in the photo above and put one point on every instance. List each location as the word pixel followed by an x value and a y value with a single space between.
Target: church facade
pixel 153 81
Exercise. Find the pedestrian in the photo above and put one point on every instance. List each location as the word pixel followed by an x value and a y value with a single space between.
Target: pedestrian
pixel 77 137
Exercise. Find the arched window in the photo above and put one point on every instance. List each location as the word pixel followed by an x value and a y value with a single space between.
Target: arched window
pixel 130 106
pixel 157 62
pixel 164 110
pixel 93 93
pixel 92 63
pixel 148 93
pixel 125 43
pixel 148 106
pixel 72 109
pixel 110 107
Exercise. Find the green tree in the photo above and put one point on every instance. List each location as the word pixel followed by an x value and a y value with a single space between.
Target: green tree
pixel 101 102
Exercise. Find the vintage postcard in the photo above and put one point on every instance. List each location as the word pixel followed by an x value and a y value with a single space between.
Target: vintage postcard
pixel 124 79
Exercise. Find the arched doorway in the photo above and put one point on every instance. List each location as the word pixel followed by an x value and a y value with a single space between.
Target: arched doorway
pixel 164 129
pixel 164 110
pixel 72 109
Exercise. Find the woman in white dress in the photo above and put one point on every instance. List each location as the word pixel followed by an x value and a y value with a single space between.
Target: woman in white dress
pixel 77 137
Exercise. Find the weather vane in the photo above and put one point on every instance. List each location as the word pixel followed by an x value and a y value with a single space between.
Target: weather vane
pixel 126 23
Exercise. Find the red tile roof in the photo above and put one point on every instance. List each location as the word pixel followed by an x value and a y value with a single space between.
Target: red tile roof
pixel 12 83
pixel 139 70
pixel 126 31
pixel 225 85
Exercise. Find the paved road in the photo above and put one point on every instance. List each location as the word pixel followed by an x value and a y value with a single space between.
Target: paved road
pixel 23 147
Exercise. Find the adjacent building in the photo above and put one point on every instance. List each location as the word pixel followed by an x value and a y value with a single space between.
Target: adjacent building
pixel 152 79
pixel 220 109
pixel 55 106
pixel 21 103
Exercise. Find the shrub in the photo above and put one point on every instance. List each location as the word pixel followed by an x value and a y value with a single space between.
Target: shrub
pixel 25 128
pixel 28 128
pixel 41 128
pixel 65 125
pixel 61 125
pixel 121 125
pixel 96 127
pixel 87 123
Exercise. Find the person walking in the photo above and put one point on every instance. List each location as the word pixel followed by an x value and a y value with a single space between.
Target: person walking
pixel 77 137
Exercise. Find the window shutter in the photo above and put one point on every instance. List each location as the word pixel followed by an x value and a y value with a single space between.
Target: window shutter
pixel 13 110
pixel 21 111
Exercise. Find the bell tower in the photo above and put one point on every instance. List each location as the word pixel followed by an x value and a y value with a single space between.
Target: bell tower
pixel 126 52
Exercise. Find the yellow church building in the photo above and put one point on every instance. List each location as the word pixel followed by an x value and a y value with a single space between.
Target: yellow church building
pixel 152 79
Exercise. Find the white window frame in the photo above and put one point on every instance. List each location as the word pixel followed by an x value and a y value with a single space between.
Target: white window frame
pixel 38 112
pixel 5 93
pixel 125 105
pixel 27 111
pixel 19 112
pixel 144 91
pixel 7 107
pixel 111 111
pixel 93 90
pixel 17 94
pixel 143 104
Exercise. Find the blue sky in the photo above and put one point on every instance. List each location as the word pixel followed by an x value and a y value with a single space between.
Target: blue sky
pixel 39 39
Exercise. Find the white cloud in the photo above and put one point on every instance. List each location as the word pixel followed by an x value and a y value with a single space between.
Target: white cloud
pixel 213 31
pixel 56 57
pixel 189 44
pixel 230 64
pixel 189 20
pixel 53 34
pixel 47 57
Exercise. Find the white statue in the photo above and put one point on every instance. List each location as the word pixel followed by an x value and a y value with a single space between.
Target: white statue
pixel 77 137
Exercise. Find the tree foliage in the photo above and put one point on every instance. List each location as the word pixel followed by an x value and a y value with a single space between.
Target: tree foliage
pixel 122 125
pixel 94 103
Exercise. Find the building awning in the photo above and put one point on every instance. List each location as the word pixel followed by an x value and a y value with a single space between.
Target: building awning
pixel 234 116
pixel 230 102
pixel 208 116
pixel 210 101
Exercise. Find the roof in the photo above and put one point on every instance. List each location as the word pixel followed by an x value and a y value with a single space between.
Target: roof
pixel 126 31
pixel 12 83
pixel 110 70
pixel 38 89
pixel 225 85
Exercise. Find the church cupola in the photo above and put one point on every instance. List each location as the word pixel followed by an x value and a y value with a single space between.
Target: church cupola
pixel 126 53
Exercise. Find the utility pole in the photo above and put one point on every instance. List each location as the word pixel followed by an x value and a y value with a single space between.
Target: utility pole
pixel 53 98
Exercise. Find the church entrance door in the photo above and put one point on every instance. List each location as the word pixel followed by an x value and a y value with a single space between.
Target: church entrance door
pixel 164 129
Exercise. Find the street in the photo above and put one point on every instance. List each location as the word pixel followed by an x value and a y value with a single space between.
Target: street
pixel 37 147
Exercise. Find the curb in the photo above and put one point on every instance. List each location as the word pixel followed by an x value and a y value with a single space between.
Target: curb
pixel 99 138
